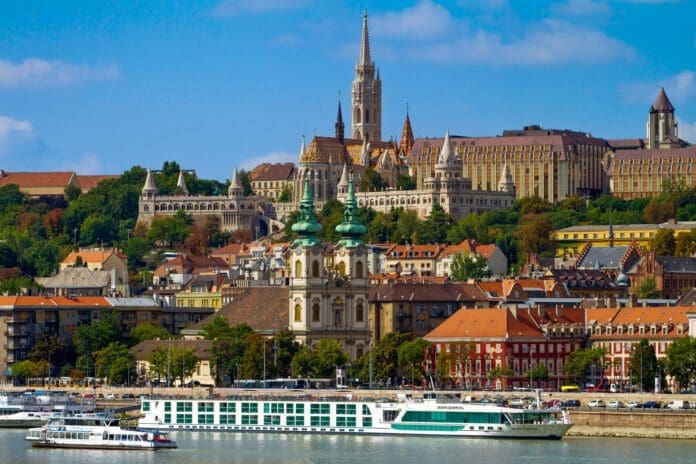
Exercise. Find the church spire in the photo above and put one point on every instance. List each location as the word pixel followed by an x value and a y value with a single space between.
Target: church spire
pixel 236 188
pixel 365 58
pixel 407 139
pixel 149 189
pixel 339 124
pixel 307 226
pixel 181 184
pixel 351 229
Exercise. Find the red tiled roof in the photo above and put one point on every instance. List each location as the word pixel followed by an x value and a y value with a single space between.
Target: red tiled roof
pixel 273 171
pixel 37 179
pixel 93 256
pixel 489 323
pixel 88 182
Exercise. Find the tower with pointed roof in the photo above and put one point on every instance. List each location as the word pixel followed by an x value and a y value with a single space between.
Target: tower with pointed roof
pixel 181 184
pixel 366 93
pixel 662 130
pixel 148 199
pixel 236 189
pixel 407 139
pixel 340 127
pixel 506 183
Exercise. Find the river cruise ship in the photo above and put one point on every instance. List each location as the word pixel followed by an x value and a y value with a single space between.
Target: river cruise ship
pixel 427 416
pixel 95 431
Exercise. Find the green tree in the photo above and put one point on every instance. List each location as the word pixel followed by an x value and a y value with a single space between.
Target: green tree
pixel 89 338
pixel 246 183
pixel 663 242
pixel 71 192
pixel 681 361
pixel 411 355
pixel 114 362
pixel 499 373
pixel 23 370
pixel 284 348
pixel 51 349
pixel 537 373
pixel 183 363
pixel 465 267
pixel 685 243
pixel 406 182
pixel 328 354
pixel 534 235
pixel 658 211
pixel 647 288
pixel 371 181
pixel 435 227
pixel 643 365
pixel 143 332
pixel 40 259
pixel 285 194
pixel 226 358
pixel 10 195
pixel 170 230
pixel 97 229
pixel 578 363
pixel 159 361
pixel 14 286
pixel 406 226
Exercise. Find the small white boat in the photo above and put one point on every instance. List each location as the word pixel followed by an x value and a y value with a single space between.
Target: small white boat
pixel 30 411
pixel 95 431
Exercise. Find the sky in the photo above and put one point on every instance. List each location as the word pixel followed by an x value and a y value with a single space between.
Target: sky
pixel 100 86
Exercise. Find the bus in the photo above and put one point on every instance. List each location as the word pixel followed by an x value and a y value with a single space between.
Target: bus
pixel 570 389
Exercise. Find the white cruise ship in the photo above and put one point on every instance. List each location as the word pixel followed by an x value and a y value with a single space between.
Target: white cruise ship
pixel 95 431
pixel 344 415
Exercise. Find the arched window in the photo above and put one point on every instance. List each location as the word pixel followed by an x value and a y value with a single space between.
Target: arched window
pixel 298 268
pixel 359 351
pixel 298 313
pixel 315 268
pixel 359 270
pixel 315 312
pixel 342 269
pixel 359 313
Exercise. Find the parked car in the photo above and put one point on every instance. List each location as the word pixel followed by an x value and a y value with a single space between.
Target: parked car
pixel 634 404
pixel 615 404
pixel 110 396
pixel 652 405
pixel 571 403
pixel 596 404
pixel 128 396
pixel 678 404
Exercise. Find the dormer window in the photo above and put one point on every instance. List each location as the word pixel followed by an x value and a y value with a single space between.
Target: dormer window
pixel 598 331
pixel 653 330
pixel 680 329
pixel 619 330
pixel 630 330
pixel 608 330
pixel 641 330
pixel 664 330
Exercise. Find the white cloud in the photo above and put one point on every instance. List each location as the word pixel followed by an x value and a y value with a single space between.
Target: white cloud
pixel 549 42
pixel 40 73
pixel 581 7
pixel 687 131
pixel 271 157
pixel 424 20
pixel 230 8
pixel 679 87
pixel 11 129
pixel 88 164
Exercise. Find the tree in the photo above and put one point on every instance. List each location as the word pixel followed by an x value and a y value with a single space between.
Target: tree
pixel 183 363
pixel 578 363
pixel 647 288
pixel 159 362
pixel 499 373
pixel 681 361
pixel 406 182
pixel 89 338
pixel 434 228
pixel 285 194
pixel 643 365
pixel 114 362
pixel 663 242
pixel 534 234
pixel 371 181
pixel 143 332
pixel 51 349
pixel 685 243
pixel 411 354
pixel 246 183
pixel 170 229
pixel 71 192
pixel 328 354
pixel 658 211
pixel 465 266
pixel 97 229
pixel 537 373
pixel 23 370
pixel 10 195
pixel 284 348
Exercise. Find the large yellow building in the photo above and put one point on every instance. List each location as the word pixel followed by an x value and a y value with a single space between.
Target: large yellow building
pixel 551 164
pixel 570 241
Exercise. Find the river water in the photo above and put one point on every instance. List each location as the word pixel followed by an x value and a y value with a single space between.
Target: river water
pixel 216 447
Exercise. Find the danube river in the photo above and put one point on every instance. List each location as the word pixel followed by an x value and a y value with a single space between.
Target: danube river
pixel 214 447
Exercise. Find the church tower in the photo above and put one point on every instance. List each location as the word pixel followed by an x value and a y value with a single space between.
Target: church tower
pixel 367 93
pixel 146 205
pixel 662 124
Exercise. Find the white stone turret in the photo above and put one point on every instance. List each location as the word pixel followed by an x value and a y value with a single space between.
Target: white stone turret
pixel 448 165
pixel 365 153
pixel 181 184
pixel 149 189
pixel 343 183
pixel 506 184
pixel 236 189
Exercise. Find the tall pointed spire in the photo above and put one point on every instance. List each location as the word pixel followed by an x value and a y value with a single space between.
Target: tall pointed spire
pixel 181 184
pixel 364 58
pixel 344 177
pixel 407 139
pixel 350 228
pixel 307 226
pixel 149 186
pixel 339 123
pixel 506 184
pixel 446 151
pixel 236 188
pixel 302 147
pixel 365 153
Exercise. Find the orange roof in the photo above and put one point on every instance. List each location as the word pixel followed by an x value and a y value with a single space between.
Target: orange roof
pixel 231 249
pixel 88 182
pixel 413 251
pixel 37 179
pixel 93 256
pixel 465 247
pixel 496 323
pixel 486 250
pixel 670 315
pixel 38 301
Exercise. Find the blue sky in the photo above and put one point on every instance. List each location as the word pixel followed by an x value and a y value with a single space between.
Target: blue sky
pixel 100 86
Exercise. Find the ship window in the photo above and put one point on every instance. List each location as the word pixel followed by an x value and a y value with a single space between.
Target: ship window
pixel 146 406
pixel 389 415
pixel 227 407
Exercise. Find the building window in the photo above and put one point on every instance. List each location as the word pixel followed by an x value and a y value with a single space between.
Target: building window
pixel 298 313
pixel 298 268
pixel 359 270
pixel 359 313
pixel 315 268
pixel 342 269
pixel 315 312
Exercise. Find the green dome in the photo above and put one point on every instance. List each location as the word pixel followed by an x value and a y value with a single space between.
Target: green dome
pixel 350 228
pixel 307 227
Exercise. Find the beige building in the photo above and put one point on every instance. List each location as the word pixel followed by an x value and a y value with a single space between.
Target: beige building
pixel 548 163
pixel 102 259
pixel 270 179
pixel 203 374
